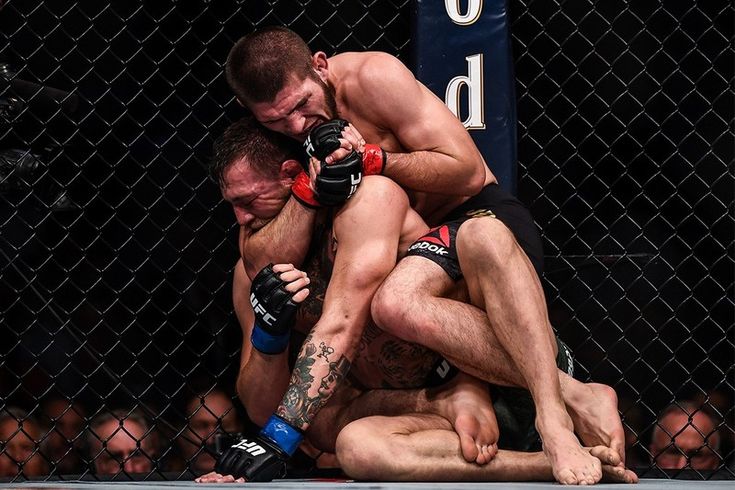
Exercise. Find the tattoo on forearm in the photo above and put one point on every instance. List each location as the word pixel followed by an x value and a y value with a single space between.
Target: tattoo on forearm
pixel 298 407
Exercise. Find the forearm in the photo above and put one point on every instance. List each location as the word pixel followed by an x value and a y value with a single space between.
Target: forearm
pixel 430 171
pixel 261 383
pixel 285 239
pixel 322 364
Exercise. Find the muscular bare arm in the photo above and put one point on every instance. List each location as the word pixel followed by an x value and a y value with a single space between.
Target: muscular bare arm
pixel 284 239
pixel 365 255
pixel 262 379
pixel 430 150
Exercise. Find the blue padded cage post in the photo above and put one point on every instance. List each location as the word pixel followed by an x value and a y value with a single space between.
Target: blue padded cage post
pixel 462 52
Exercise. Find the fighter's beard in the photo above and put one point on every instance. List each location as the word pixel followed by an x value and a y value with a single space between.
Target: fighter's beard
pixel 330 97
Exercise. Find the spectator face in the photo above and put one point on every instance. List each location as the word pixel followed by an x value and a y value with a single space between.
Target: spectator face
pixel 689 446
pixel 65 437
pixel 118 450
pixel 204 423
pixel 19 449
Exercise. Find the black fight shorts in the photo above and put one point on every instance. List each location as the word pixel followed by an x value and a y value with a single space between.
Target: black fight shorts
pixel 439 246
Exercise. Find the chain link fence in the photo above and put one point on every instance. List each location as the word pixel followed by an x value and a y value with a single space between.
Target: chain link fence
pixel 116 252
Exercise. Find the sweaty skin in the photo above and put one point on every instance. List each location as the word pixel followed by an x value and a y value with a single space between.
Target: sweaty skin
pixel 361 247
pixel 430 153
pixel 432 156
pixel 263 378
pixel 406 114
pixel 427 446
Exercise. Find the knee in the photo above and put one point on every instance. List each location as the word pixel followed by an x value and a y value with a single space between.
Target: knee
pixel 488 239
pixel 361 452
pixel 391 305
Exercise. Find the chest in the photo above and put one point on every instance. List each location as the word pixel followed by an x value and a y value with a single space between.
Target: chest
pixel 372 132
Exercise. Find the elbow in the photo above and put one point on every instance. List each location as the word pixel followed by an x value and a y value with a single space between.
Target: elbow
pixel 469 176
pixel 476 181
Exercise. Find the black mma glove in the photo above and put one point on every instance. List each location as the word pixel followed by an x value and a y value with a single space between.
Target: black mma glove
pixel 339 180
pixel 324 139
pixel 263 457
pixel 275 312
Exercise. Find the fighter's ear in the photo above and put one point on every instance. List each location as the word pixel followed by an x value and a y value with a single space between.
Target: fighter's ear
pixel 320 65
pixel 290 169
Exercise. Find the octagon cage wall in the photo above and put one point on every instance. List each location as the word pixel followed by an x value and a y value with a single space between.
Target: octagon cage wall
pixel 116 250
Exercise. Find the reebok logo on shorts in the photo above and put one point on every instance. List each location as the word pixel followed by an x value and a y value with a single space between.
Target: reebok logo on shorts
pixel 437 241
pixel 438 246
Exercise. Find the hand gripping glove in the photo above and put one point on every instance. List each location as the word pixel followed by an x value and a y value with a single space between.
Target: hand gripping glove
pixel 263 457
pixel 338 181
pixel 275 312
pixel 324 139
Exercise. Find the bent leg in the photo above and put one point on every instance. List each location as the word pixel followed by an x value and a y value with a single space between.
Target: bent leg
pixel 464 401
pixel 502 281
pixel 410 305
pixel 420 447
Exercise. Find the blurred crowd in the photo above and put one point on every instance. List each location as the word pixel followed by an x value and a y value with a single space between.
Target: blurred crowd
pixel 61 437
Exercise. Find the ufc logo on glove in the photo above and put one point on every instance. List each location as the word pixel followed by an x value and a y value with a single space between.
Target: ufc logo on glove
pixel 251 448
pixel 267 318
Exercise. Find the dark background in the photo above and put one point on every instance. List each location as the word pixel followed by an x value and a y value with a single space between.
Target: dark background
pixel 116 251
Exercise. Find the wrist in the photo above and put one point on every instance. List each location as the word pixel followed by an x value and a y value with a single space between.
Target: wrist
pixel 283 434
pixel 374 159
pixel 267 342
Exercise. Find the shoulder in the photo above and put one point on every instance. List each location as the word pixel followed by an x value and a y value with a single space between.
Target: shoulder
pixel 377 188
pixel 370 68
pixel 378 199
pixel 378 68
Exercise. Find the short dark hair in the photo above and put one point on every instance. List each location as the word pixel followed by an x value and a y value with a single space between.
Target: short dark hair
pixel 264 150
pixel 260 63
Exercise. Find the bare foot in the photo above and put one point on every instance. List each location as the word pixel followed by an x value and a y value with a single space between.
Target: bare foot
pixel 465 402
pixel 613 469
pixel 594 411
pixel 214 477
pixel 570 463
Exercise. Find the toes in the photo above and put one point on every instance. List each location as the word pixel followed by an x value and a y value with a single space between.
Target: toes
pixel 492 450
pixel 630 477
pixel 567 477
pixel 606 455
pixel 486 454
pixel 470 450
